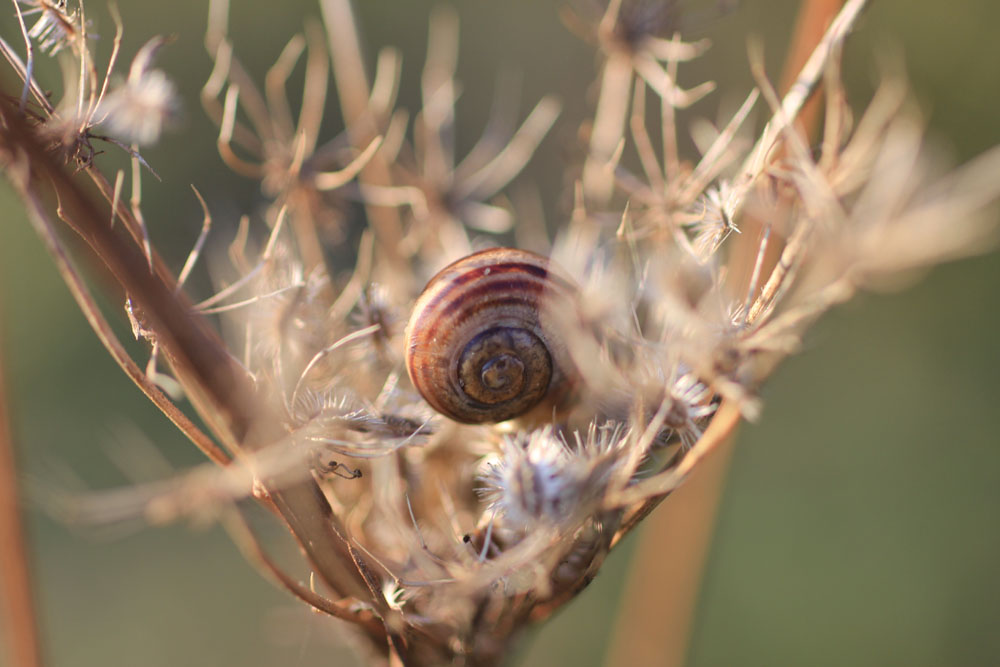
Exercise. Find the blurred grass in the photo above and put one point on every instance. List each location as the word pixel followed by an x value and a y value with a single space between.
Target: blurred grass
pixel 859 522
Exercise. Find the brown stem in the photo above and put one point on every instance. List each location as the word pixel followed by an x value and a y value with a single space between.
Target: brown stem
pixel 354 92
pixel 813 20
pixel 664 577
pixel 662 587
pixel 214 382
pixel 106 335
pixel 247 542
pixel 17 603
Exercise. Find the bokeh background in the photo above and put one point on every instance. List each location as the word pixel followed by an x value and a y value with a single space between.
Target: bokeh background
pixel 859 522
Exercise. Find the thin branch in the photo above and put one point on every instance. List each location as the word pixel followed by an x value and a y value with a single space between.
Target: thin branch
pixel 354 94
pixel 643 497
pixel 331 180
pixel 793 100
pixel 241 533
pixel 105 334
pixel 214 382
pixel 192 259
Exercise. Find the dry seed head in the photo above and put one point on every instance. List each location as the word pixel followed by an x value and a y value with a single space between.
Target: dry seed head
pixel 539 479
pixel 140 108
pixel 55 28
pixel 660 330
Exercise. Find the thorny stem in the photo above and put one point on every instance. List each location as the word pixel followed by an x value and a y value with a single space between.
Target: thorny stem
pixel 18 606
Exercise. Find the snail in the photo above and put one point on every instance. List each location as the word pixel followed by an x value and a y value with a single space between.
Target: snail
pixel 479 345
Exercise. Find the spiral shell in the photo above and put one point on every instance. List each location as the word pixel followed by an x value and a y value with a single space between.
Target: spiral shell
pixel 478 345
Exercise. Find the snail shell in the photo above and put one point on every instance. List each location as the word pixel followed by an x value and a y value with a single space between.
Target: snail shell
pixel 478 345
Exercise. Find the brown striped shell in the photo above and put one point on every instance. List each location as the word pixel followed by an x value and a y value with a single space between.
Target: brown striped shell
pixel 476 346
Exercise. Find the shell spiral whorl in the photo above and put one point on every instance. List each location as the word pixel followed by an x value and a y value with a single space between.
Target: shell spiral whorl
pixel 476 346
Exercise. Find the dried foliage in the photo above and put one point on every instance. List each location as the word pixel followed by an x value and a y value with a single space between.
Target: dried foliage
pixel 440 541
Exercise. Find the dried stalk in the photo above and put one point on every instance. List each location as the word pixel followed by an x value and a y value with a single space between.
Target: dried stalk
pixel 17 605
pixel 440 541
pixel 685 529
pixel 215 384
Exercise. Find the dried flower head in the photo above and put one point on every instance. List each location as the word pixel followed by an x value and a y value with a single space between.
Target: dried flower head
pixel 540 479
pixel 137 110
pixel 438 540
pixel 55 28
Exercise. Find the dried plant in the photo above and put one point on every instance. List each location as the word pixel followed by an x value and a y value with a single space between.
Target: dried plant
pixel 669 297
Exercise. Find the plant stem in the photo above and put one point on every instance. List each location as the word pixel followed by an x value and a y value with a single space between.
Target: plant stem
pixel 658 605
pixel 18 606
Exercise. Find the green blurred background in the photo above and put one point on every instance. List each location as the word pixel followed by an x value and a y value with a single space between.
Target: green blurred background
pixel 859 522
